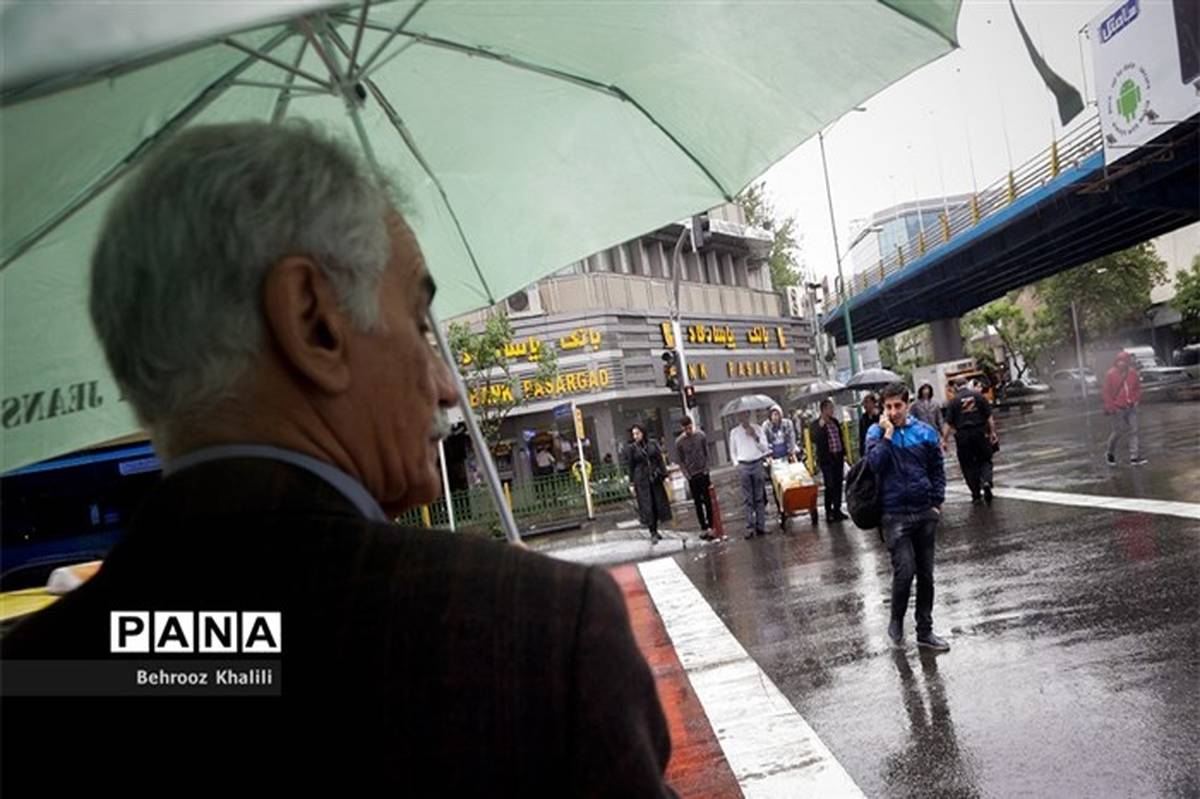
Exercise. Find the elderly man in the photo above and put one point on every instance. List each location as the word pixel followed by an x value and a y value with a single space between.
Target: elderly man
pixel 748 448
pixel 263 305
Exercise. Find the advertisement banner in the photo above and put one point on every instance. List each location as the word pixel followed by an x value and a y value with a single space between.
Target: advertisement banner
pixel 1146 55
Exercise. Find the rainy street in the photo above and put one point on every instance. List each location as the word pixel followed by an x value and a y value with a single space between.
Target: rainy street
pixel 1074 669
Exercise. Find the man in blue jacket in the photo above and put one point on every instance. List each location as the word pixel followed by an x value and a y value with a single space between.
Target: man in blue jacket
pixel 906 456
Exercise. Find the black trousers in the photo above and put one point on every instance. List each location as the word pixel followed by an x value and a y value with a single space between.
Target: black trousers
pixel 910 538
pixel 974 458
pixel 831 471
pixel 704 513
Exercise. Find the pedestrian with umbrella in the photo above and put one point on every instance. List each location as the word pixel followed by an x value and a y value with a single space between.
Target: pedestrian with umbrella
pixel 748 448
pixel 644 461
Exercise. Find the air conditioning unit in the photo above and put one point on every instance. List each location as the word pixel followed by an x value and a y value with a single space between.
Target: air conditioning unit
pixel 526 302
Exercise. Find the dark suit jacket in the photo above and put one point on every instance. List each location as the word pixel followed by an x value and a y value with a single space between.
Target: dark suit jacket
pixel 418 662
pixel 820 438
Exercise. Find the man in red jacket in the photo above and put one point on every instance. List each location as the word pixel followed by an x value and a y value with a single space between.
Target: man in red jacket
pixel 1122 393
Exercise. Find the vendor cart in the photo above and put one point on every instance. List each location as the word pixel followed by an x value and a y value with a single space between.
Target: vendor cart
pixel 795 489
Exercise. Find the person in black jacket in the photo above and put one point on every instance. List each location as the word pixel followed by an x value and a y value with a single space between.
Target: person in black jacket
pixel 830 446
pixel 644 461
pixel 264 308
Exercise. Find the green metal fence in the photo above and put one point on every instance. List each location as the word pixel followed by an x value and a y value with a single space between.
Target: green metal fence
pixel 558 496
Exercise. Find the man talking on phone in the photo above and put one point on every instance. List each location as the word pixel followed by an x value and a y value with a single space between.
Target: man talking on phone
pixel 906 456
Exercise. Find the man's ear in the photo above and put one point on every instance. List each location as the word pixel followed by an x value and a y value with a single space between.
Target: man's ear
pixel 306 324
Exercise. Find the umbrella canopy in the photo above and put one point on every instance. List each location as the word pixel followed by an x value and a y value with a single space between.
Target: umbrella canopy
pixel 523 135
pixel 873 378
pixel 750 402
pixel 816 390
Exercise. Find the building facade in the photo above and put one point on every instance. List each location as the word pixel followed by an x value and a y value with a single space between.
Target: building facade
pixel 607 319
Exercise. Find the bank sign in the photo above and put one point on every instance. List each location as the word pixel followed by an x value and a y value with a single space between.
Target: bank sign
pixel 1146 55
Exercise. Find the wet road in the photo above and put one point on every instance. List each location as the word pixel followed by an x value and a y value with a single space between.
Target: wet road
pixel 1075 668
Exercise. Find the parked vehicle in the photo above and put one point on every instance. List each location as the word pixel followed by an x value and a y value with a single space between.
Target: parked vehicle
pixel 1066 382
pixel 942 376
pixel 1024 390
pixel 1188 359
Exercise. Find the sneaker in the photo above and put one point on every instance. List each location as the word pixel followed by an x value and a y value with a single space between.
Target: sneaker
pixel 707 536
pixel 931 641
pixel 655 538
pixel 1138 461
pixel 1110 459
pixel 987 494
pixel 896 632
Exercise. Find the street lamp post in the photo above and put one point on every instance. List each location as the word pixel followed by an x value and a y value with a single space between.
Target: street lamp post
pixel 838 256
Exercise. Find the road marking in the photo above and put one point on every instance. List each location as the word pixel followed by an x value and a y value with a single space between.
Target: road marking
pixel 627 524
pixel 1185 510
pixel 770 747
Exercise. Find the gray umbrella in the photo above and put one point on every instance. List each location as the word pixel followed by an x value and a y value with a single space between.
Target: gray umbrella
pixel 750 402
pixel 819 389
pixel 873 378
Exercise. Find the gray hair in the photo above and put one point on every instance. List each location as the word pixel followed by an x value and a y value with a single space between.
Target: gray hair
pixel 178 271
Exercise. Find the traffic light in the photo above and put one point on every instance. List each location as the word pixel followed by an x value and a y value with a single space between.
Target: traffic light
pixel 671 369
pixel 689 396
pixel 701 232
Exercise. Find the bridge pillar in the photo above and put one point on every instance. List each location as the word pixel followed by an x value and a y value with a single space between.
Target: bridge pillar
pixel 947 339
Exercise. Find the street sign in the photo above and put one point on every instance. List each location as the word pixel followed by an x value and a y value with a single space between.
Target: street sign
pixel 563 411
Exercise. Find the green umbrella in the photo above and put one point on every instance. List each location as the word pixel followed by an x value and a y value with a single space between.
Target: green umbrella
pixel 527 134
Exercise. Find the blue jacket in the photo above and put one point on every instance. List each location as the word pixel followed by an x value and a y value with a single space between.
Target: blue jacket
pixel 909 468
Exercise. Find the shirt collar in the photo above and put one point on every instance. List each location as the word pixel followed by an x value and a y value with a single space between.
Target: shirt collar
pixel 348 486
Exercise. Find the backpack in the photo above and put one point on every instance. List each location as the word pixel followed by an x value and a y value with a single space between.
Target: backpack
pixel 863 497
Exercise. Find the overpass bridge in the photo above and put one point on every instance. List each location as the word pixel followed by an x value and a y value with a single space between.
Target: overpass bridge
pixel 1061 209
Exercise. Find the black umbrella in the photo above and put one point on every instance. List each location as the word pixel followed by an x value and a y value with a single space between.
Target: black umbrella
pixel 873 378
pixel 819 389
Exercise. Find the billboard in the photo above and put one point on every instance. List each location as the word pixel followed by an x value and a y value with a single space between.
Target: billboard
pixel 1146 55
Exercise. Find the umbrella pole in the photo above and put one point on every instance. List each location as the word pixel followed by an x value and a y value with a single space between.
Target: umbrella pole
pixel 484 453
pixel 507 521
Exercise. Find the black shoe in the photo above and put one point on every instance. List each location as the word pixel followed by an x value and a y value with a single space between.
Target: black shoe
pixel 931 641
pixel 707 536
pixel 838 516
pixel 976 500
pixel 749 534
pixel 1138 461
pixel 987 494
pixel 1110 459
pixel 761 533
pixel 896 632
pixel 655 538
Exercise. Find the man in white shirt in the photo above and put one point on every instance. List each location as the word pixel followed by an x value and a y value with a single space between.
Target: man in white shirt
pixel 747 448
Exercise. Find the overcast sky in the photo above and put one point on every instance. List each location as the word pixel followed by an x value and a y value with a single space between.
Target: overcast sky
pixel 928 130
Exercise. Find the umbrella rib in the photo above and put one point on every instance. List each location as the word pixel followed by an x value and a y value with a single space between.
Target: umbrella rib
pixel 289 78
pixel 275 62
pixel 407 138
pixel 556 74
pixel 358 35
pixel 391 31
pixel 118 170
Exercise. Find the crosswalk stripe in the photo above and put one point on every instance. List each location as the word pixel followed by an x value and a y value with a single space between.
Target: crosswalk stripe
pixel 770 747
pixel 1185 510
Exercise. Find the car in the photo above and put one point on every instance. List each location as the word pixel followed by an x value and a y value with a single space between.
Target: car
pixel 1066 381
pixel 1188 359
pixel 1024 389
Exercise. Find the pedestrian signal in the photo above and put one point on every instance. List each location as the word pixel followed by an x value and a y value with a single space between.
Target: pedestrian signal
pixel 689 396
pixel 671 370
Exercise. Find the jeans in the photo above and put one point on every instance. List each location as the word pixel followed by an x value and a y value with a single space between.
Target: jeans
pixel 704 513
pixel 831 471
pixel 1125 421
pixel 754 495
pixel 910 539
pixel 974 458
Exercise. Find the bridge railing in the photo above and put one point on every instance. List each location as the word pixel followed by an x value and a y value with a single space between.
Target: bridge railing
pixel 1066 153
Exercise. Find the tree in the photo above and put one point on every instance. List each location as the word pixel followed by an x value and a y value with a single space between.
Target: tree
pixel 1023 342
pixel 761 213
pixel 486 358
pixel 1187 299
pixel 902 352
pixel 1110 293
